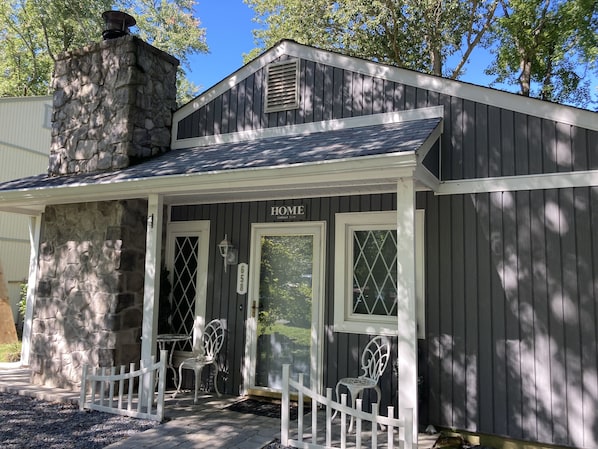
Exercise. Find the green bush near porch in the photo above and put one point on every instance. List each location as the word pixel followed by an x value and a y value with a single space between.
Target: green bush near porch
pixel 10 352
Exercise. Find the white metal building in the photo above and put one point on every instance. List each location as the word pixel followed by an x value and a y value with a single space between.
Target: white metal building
pixel 25 125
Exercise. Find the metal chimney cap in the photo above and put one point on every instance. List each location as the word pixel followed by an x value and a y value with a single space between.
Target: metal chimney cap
pixel 117 24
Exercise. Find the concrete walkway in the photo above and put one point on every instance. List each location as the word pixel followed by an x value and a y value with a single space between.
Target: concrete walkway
pixel 207 425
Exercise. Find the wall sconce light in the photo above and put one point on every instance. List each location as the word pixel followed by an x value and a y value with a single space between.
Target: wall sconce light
pixel 150 221
pixel 228 252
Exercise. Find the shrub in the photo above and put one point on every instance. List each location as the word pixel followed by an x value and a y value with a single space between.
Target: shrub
pixel 10 352
pixel 23 299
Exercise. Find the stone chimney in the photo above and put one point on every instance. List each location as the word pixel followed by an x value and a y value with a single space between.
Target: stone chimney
pixel 113 105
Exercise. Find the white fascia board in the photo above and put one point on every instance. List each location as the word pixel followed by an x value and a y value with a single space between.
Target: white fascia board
pixel 423 151
pixel 547 181
pixel 372 170
pixel 422 174
pixel 425 177
pixel 313 127
pixel 35 98
pixel 32 210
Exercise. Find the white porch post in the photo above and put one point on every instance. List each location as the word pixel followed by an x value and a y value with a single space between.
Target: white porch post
pixel 151 285
pixel 34 233
pixel 407 327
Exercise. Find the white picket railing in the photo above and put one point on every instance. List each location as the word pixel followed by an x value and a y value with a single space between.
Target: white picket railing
pixel 402 427
pixel 122 393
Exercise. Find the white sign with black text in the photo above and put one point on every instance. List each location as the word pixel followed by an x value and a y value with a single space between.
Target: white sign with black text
pixel 242 276
pixel 288 212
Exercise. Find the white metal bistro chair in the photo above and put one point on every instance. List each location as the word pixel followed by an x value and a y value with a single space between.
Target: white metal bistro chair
pixel 374 359
pixel 205 355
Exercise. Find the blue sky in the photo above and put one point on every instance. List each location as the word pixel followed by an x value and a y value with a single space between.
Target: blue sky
pixel 228 25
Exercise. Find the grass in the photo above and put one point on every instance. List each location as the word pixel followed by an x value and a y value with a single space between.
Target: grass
pixel 299 336
pixel 10 352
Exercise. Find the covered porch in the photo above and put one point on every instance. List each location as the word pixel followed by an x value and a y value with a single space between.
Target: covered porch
pixel 228 189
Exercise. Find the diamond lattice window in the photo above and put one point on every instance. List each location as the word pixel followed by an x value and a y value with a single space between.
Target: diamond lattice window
pixel 184 285
pixel 366 274
pixel 375 272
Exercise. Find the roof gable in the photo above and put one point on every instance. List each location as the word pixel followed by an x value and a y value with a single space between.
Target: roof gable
pixel 483 95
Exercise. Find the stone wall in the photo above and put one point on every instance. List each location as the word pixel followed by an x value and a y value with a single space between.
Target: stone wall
pixel 113 105
pixel 89 299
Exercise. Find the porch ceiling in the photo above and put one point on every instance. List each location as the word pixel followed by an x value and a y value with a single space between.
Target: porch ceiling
pixel 356 160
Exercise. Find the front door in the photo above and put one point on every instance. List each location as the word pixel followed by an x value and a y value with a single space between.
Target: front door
pixel 187 253
pixel 284 324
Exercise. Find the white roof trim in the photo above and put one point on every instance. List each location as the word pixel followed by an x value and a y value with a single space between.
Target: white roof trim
pixel 37 98
pixel 33 210
pixel 460 89
pixel 313 127
pixel 426 178
pixel 526 182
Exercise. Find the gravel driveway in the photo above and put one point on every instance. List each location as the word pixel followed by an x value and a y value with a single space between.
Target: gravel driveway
pixel 28 423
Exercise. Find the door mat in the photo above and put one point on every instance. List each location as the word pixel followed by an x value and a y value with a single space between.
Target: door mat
pixel 271 409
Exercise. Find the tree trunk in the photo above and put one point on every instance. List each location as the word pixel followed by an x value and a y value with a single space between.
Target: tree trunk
pixel 525 78
pixel 436 61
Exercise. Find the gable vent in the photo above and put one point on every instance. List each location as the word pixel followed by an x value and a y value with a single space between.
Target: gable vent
pixel 282 90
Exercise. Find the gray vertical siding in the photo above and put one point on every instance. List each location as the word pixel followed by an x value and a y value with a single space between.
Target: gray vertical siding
pixel 341 351
pixel 511 338
pixel 511 345
pixel 511 314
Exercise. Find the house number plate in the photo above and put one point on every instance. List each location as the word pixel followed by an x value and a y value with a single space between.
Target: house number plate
pixel 242 275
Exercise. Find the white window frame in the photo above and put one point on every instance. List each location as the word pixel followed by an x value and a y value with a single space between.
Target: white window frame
pixel 344 318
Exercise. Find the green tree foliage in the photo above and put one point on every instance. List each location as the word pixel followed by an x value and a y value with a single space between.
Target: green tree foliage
pixel 285 281
pixel 414 34
pixel 551 44
pixel 34 32
pixel 547 43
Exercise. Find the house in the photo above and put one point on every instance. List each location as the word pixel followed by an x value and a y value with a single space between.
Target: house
pixel 312 200
pixel 24 148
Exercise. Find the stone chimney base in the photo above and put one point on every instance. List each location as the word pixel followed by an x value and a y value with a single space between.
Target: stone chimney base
pixel 89 297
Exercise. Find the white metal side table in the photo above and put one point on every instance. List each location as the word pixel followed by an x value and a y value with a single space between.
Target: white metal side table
pixel 168 342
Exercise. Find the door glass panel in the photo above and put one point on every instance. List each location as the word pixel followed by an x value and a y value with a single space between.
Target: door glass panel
pixel 184 286
pixel 285 308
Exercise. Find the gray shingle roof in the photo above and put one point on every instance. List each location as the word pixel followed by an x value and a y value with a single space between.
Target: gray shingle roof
pixel 271 152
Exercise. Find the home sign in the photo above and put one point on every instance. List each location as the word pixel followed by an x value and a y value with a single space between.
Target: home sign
pixel 291 212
